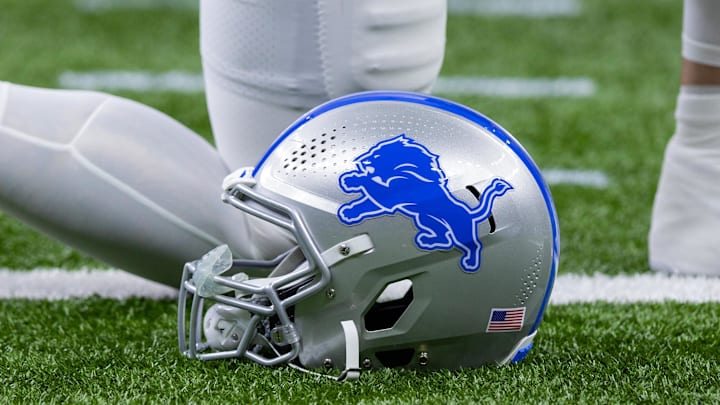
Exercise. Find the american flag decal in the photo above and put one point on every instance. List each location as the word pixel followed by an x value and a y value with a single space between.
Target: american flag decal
pixel 506 319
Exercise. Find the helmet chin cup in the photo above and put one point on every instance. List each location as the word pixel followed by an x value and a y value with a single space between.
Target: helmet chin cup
pixel 223 326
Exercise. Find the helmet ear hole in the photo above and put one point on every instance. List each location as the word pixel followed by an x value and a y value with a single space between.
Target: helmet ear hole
pixel 395 358
pixel 390 305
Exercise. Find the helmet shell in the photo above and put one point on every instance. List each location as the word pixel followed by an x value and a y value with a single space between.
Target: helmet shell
pixel 456 210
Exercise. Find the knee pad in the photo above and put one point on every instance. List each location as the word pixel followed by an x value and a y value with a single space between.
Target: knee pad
pixel 278 59
pixel 379 44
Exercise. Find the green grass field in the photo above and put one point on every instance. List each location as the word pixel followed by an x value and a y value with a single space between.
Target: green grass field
pixel 103 350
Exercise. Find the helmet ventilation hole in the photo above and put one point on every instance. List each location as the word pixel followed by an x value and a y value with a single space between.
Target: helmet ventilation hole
pixel 389 306
pixel 530 278
pixel 313 154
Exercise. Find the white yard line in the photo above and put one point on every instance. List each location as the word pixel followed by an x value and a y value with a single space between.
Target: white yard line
pixel 516 8
pixel 100 6
pixel 184 82
pixel 114 80
pixel 583 178
pixel 55 284
pixel 572 288
pixel 516 87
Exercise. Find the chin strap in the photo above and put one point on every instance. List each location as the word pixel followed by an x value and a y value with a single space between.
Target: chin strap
pixel 352 352
pixel 352 356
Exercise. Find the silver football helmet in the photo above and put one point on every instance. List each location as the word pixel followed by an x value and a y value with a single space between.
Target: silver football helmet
pixel 426 238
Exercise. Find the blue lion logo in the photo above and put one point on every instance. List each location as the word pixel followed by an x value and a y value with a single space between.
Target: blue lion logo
pixel 399 175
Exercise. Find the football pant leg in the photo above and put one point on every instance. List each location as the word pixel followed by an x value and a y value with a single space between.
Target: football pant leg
pixel 120 182
pixel 684 234
pixel 267 62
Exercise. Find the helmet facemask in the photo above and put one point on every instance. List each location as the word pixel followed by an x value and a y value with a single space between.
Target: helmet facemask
pixel 256 321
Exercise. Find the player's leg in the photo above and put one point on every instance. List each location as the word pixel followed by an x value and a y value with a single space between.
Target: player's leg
pixel 265 63
pixel 685 231
pixel 119 181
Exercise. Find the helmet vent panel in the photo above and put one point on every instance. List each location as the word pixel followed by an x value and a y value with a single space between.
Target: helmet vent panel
pixel 531 278
pixel 390 306
pixel 314 154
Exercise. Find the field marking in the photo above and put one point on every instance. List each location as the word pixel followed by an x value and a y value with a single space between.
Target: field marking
pixel 57 284
pixel 184 82
pixel 101 6
pixel 516 87
pixel 584 178
pixel 516 8
pixel 114 80
pixel 646 287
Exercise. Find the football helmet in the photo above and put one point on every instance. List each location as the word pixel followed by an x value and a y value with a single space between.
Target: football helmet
pixel 426 238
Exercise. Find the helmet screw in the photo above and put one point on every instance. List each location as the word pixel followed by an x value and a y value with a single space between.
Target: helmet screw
pixel 330 293
pixel 234 336
pixel 328 364
pixel 366 363
pixel 344 249
pixel 423 358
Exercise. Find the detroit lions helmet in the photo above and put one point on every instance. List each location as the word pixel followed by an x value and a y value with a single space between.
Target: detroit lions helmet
pixel 426 238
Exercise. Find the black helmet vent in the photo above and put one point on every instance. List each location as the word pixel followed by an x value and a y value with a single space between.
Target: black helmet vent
pixel 390 306
pixel 395 358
